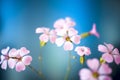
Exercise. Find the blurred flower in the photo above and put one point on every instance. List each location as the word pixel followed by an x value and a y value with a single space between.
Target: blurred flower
pixel 68 38
pixel 110 53
pixel 82 50
pixel 64 24
pixel 4 58
pixel 96 71
pixel 46 34
pixel 23 59
pixel 68 35
pixel 94 31
pixel 15 58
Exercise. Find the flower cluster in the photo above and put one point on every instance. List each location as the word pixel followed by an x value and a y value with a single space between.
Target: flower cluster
pixel 64 34
pixel 15 58
pixel 101 69
pixel 96 72
pixel 110 53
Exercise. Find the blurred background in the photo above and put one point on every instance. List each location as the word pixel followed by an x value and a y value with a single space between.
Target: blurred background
pixel 20 18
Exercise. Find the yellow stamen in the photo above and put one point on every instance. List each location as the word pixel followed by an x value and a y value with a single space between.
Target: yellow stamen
pixel 67 38
pixel 95 75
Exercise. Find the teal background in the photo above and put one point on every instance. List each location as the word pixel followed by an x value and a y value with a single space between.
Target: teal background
pixel 20 18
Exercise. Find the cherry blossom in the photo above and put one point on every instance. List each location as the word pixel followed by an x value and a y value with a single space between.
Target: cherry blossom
pixel 94 32
pixel 68 38
pixel 82 50
pixel 15 58
pixel 68 35
pixel 96 72
pixel 110 53
pixel 23 59
pixel 46 34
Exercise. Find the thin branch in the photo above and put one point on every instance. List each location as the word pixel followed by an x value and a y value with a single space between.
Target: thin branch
pixel 68 67
pixel 37 72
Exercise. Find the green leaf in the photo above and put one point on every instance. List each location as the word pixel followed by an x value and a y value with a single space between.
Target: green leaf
pixel 82 59
pixel 42 43
pixel 84 35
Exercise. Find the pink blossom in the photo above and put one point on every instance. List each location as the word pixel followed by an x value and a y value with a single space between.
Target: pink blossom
pixel 93 31
pixel 96 72
pixel 67 38
pixel 82 50
pixel 110 53
pixel 15 58
pixel 64 23
pixel 8 57
pixel 46 34
pixel 68 35
pixel 23 59
pixel 4 58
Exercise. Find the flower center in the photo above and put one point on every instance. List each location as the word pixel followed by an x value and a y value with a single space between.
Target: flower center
pixel 67 38
pixel 95 74
pixel 82 50
pixel 19 59
pixel 6 57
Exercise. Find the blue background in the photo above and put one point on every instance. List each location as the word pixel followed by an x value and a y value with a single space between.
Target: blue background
pixel 20 18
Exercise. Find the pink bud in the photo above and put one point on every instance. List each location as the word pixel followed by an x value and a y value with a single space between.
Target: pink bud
pixel 94 31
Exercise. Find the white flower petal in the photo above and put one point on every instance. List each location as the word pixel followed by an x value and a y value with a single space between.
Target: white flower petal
pixel 39 30
pixel 59 41
pixel 75 39
pixel 105 77
pixel 85 74
pixel 72 32
pixel 23 51
pixel 27 60
pixel 44 37
pixel 68 46
pixel 5 51
pixel 4 64
pixel 91 63
pixel 109 46
pixel 12 52
pixel 12 63
pixel 105 69
pixel 102 48
pixel 2 58
pixel 20 67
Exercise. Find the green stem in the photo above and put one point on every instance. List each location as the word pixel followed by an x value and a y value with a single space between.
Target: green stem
pixel 68 67
pixel 37 72
pixel 84 35
pixel 40 60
